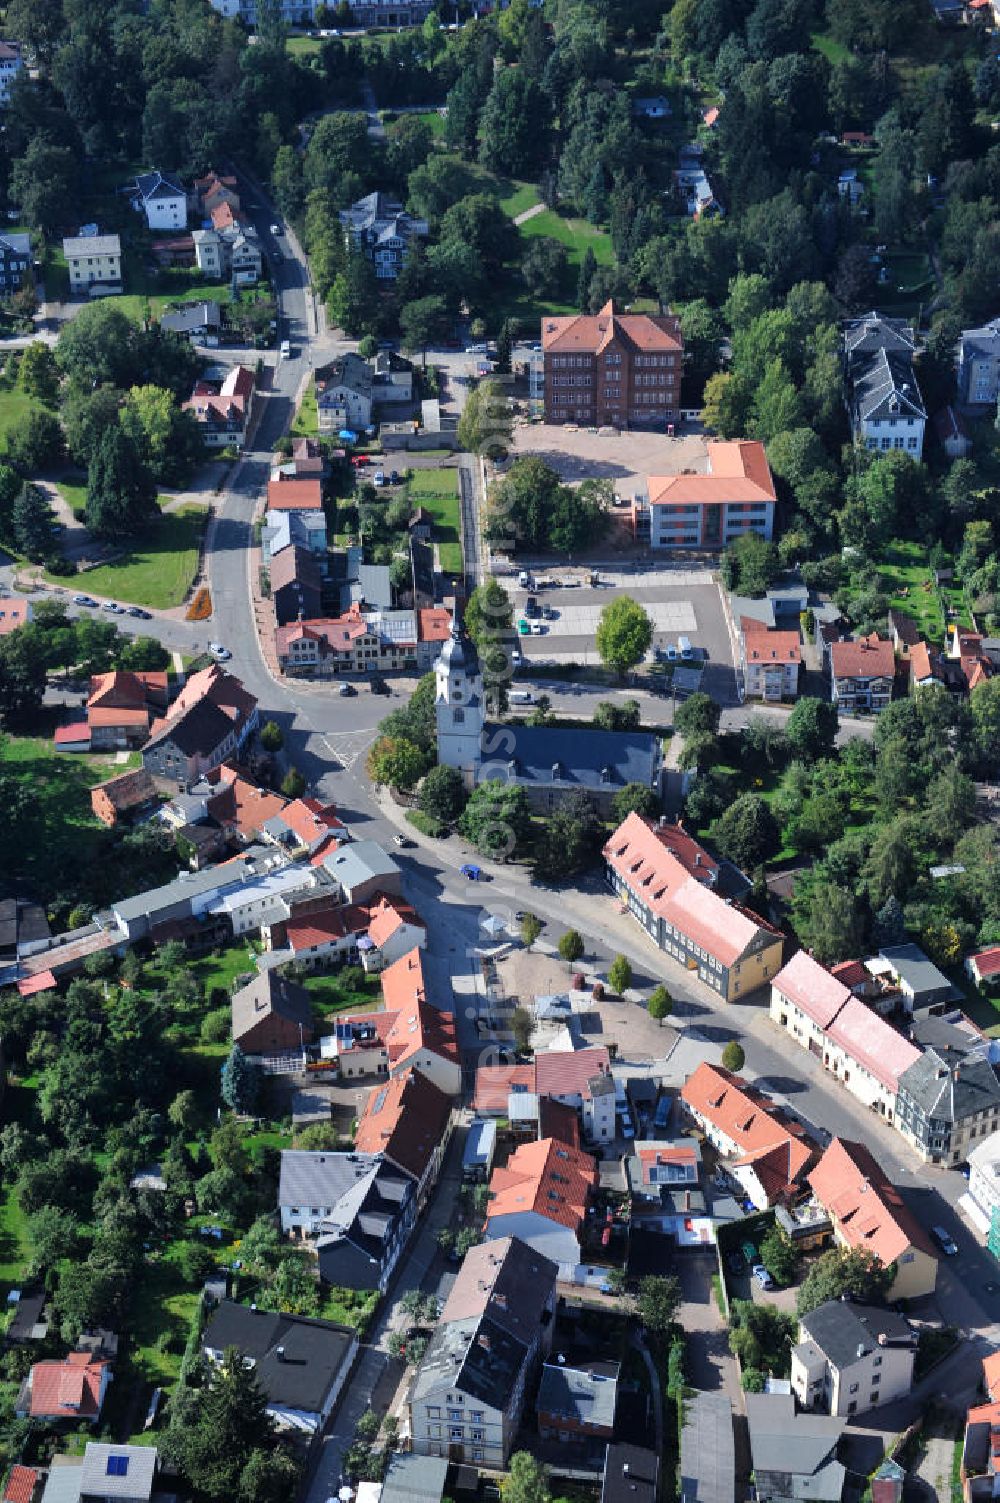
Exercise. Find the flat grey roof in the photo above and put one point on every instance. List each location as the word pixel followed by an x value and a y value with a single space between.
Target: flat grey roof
pixel 415 1479
pixel 708 1453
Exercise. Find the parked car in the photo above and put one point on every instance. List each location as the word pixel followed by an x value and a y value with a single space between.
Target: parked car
pixel 403 841
pixel 359 461
pixel 379 478
pixel 113 608
pixel 347 691
pixel 736 1263
pixel 219 653
pixel 516 657
pixel 379 686
pixel 524 628
pixel 548 613
pixel 536 628
pixel 395 478
pixel 762 1276
pixel 945 1241
pixel 139 613
pixel 86 600
pixel 524 580
pixel 531 607
pixel 471 873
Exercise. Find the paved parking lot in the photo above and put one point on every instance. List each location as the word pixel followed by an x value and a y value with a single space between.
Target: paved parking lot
pixel 681 602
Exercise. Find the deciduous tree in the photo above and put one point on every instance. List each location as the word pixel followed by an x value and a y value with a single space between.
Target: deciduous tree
pixel 624 633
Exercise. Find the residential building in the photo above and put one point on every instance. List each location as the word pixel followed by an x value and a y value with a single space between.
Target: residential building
pixel 21 1484
pixel 869 1056
pixel 771 662
pixel 268 894
pixel 94 263
pixel 468 1395
pixel 232 251
pixel 884 402
pixel 308 459
pixel 631 1475
pixel 344 394
pixel 272 1015
pixel 121 708
pixel 542 1196
pixel 383 230
pixel 318 936
pixel 732 496
pixel 949 1096
pixel 15 250
pixel 921 985
pixel 11 64
pixel 622 369
pixel 862 671
pixel 869 1212
pixel 668 883
pixel 15 611
pixel 707 1471
pixel 394 929
pixel 421 1034
pixel 363 641
pixel 981 1202
pixel 984 967
pixel 72 1390
pixel 355 1209
pixel 409 1122
pixel 664 1181
pixel 392 380
pixel 199 322
pixel 577 1403
pixel 580 1079
pixel 767 1153
pixel 301 1364
pixel 794 1456
pixel 296 585
pixel 805 999
pixel 118 1474
pixel 979 367
pixel 224 409
pixel 122 796
pixel 211 719
pixel 161 199
pixel 479 1151
pixel 298 529
pixel 926 668
pixel 188 896
pixel 849 1358
pixel 693 186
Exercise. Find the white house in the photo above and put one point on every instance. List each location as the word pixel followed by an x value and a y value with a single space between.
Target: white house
pixel 850 1358
pixel 162 200
pixel 981 1202
pixel 884 401
pixel 94 263
pixel 344 394
pixel 771 662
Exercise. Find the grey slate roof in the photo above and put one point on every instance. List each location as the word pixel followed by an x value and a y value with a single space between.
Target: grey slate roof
pixel 414 1479
pixel 187 885
pixel 574 1393
pixel 839 1328
pixel 630 1475
pixel 378 217
pixel 708 1453
pixel 474 1357
pixel 982 341
pixel 931 1082
pixel 19 245
pixel 110 1481
pixel 270 993
pixel 315 1178
pixel 349 371
pixel 802 1445
pixel 368 1214
pixel 192 316
pixel 917 970
pixel 64 1482
pixel 588 760
pixel 158 185
pixel 873 331
pixel 372 583
pixel 885 386
pixel 360 861
pixel 91 245
pixel 314 1352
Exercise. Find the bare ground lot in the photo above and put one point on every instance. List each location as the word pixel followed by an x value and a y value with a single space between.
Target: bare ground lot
pixel 626 458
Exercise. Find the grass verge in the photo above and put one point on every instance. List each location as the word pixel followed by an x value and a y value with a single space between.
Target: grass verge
pixel 306 424
pixel 156 572
pixel 437 491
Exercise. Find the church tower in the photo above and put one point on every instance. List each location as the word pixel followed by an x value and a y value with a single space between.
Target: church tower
pixel 459 704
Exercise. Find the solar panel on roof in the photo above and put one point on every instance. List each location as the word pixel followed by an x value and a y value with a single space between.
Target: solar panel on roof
pixel 117 1466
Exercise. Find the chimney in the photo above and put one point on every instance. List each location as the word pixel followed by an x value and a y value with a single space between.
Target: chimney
pixel 280 1353
pixel 687 1200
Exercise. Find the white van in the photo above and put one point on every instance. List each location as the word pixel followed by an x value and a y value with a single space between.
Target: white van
pixel 684 644
pixel 520 697
pixel 286 350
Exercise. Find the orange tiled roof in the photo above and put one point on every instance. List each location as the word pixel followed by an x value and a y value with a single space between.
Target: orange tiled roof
pixel 991 1374
pixel 387 915
pixel 546 1177
pixel 748 1118
pixel 867 1209
pixel 865 657
pixel 738 471
pixel 592 333
pixel 434 624
pixel 14 610
pixel 774 647
pixel 21 1484
pixel 324 925
pixel 405 1118
pixel 494 1083
pixel 656 859
pixel 567 1072
pixel 812 988
pixel 294 495
pixel 67 1390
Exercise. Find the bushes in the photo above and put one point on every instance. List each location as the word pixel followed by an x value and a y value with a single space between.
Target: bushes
pixel 426 824
pixel 200 608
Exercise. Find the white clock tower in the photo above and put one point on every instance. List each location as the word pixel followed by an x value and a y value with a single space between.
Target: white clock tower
pixel 459 704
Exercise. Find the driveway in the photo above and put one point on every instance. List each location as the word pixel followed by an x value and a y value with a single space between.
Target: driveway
pixel 710 1363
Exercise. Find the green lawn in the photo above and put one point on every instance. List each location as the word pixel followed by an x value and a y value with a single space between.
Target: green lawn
pixel 576 234
pixel 911 283
pixel 432 119
pixel 15 409
pixel 907 580
pixel 437 490
pixel 831 49
pixel 162 1304
pixel 519 197
pixel 74 493
pixel 343 992
pixel 14 1245
pixel 306 424
pixel 157 572
pixel 139 305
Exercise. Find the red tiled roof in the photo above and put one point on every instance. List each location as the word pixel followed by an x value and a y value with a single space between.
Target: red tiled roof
pixel 921 666
pixel 294 495
pixel 991 1374
pixel 127 691
pixel 547 1177
pixel 324 926
pixel 725 930
pixel 21 1484
pixel 812 988
pixel 779 1168
pixel 567 1072
pixel 866 1208
pixel 433 625
pixel 14 612
pixel 494 1083
pixel 67 1390
pixel 872 1042
pixel 592 333
pixel 987 961
pixel 405 1118
pixel 863 657
pixel 556 1119
pixel 113 716
pixel 851 973
pixel 656 859
pixel 310 820
pixel 241 803
pixel 774 647
pixel 68 734
pixel 42 981
pixel 666 1153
